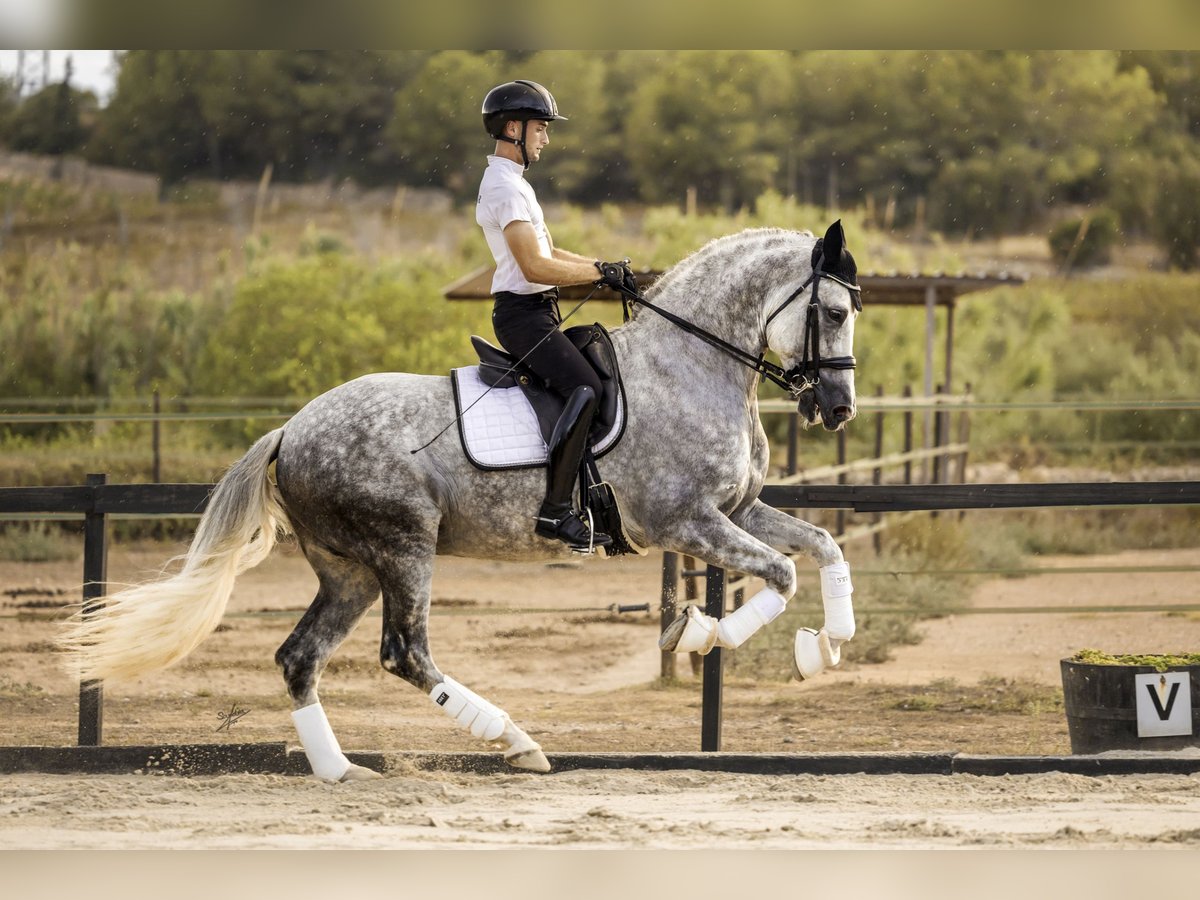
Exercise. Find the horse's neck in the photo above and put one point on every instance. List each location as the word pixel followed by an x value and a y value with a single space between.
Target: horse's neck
pixel 660 357
pixel 723 307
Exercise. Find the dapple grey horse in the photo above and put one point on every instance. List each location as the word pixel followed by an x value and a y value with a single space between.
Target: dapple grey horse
pixel 370 514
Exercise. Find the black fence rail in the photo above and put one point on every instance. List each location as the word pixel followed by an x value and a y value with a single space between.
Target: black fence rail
pixel 97 499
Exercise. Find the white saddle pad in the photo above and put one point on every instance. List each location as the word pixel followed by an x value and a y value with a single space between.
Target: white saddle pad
pixel 500 431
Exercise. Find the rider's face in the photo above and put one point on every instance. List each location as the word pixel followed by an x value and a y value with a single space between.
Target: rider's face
pixel 537 136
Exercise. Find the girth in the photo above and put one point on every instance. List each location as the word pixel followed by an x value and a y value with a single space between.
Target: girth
pixel 498 368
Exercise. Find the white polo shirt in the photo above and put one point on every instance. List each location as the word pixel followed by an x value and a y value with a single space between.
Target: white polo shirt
pixel 504 197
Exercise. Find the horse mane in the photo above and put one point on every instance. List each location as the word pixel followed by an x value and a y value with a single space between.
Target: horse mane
pixel 690 265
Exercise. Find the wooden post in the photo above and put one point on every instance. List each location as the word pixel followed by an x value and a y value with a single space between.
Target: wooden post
pixel 690 595
pixel 793 442
pixel 841 479
pixel 908 435
pixel 927 383
pixel 877 472
pixel 156 440
pixel 949 375
pixel 260 196
pixel 710 712
pixel 939 438
pixel 670 592
pixel 95 573
pixel 964 437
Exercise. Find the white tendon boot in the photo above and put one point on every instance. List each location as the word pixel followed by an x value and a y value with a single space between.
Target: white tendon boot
pixel 816 651
pixel 699 633
pixel 489 723
pixel 320 745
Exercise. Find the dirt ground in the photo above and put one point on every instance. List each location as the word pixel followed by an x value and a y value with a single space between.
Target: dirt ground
pixel 540 642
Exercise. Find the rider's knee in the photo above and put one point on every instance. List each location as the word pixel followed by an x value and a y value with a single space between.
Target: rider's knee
pixel 583 400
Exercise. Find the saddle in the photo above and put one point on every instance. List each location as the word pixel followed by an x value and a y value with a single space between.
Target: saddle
pixel 498 369
pixel 507 415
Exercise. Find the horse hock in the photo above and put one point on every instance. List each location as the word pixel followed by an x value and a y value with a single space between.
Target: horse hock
pixel 489 723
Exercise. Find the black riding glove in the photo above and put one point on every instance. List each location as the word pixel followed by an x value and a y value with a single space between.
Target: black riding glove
pixel 618 276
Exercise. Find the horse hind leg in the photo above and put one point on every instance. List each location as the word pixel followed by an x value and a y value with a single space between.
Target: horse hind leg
pixel 404 651
pixel 347 590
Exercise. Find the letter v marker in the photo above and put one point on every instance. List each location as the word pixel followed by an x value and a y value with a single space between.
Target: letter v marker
pixel 1163 713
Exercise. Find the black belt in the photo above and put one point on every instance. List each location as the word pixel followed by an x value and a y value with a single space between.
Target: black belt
pixel 548 295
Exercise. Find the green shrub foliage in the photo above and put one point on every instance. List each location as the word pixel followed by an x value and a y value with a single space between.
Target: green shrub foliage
pixel 1083 242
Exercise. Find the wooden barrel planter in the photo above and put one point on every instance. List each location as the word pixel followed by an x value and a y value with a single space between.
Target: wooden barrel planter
pixel 1101 705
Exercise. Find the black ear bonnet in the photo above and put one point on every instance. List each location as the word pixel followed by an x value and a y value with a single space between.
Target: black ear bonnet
pixel 831 258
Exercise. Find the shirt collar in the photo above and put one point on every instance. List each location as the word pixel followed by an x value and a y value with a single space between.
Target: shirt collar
pixel 506 165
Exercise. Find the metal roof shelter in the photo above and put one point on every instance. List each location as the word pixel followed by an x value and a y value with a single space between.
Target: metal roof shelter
pixel 878 289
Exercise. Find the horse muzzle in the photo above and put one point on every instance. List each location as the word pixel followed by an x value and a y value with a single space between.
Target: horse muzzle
pixel 833 408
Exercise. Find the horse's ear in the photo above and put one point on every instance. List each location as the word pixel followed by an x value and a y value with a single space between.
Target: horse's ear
pixel 835 240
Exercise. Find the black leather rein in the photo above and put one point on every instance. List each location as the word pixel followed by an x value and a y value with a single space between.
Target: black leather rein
pixel 795 380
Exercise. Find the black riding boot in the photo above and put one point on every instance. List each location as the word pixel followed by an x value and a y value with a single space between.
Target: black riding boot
pixel 568 442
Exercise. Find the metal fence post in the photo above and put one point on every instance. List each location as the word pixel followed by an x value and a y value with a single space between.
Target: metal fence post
pixel 710 713
pixel 95 573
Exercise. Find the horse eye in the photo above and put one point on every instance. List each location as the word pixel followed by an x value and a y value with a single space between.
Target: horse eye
pixel 838 315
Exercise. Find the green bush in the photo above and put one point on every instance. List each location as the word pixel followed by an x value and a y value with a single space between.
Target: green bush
pixel 1176 221
pixel 38 542
pixel 1084 242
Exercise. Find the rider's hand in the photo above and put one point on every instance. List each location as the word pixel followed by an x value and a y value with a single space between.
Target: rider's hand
pixel 618 276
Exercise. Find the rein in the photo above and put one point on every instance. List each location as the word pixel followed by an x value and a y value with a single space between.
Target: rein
pixel 795 380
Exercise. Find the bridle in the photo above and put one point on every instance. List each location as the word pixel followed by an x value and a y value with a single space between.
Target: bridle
pixel 795 380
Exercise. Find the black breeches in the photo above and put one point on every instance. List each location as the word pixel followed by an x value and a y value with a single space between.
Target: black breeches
pixel 521 321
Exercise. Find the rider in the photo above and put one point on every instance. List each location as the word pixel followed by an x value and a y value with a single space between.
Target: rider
pixel 529 269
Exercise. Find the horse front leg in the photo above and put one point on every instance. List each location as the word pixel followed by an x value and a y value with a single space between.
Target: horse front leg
pixel 814 650
pixel 720 542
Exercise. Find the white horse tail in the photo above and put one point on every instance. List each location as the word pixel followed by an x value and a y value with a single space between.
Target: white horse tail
pixel 151 626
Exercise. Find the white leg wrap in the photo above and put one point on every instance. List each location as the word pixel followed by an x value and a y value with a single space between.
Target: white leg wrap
pixel 481 718
pixel 699 634
pixel 737 627
pixel 702 632
pixel 814 653
pixel 836 591
pixel 320 745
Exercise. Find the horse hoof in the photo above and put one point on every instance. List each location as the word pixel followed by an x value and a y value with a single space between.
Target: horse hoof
pixel 669 639
pixel 531 760
pixel 359 773
pixel 813 654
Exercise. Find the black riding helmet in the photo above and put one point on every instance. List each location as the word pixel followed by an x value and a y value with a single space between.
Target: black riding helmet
pixel 520 101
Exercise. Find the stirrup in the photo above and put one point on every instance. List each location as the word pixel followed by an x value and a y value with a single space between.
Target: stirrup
pixel 550 529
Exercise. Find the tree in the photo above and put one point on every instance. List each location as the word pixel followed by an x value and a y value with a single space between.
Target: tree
pixel 1175 75
pixel 312 114
pixel 436 128
pixel 586 161
pixel 709 120
pixel 8 107
pixel 1176 221
pixel 51 121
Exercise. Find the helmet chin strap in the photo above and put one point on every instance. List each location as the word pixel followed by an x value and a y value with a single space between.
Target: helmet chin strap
pixel 521 142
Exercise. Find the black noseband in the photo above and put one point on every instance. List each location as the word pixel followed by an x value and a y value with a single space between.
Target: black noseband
pixel 798 378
